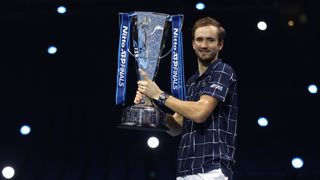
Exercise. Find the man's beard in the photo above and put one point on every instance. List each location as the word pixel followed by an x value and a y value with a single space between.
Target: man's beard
pixel 206 61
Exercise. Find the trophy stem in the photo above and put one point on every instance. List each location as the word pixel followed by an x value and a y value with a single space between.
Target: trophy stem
pixel 147 101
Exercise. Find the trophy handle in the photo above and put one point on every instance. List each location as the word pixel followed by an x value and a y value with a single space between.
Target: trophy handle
pixel 165 55
pixel 130 53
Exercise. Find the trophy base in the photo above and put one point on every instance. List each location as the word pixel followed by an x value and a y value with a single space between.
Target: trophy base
pixel 143 117
pixel 143 127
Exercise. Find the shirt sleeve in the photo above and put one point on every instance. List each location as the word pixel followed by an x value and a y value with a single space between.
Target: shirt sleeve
pixel 219 82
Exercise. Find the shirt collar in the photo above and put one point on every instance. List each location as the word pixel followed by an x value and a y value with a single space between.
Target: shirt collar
pixel 210 67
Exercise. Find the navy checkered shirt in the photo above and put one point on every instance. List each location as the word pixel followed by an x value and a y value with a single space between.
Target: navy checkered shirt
pixel 211 145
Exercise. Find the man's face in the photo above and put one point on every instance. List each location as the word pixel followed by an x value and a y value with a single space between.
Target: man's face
pixel 206 44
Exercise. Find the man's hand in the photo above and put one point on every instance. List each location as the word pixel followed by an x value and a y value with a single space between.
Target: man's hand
pixel 139 98
pixel 148 87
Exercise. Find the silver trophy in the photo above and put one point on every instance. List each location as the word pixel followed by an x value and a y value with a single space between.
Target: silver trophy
pixel 149 33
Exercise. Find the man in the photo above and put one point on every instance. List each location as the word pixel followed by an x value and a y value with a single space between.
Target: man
pixel 207 119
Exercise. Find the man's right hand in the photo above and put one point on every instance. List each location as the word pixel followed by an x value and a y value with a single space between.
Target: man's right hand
pixel 148 87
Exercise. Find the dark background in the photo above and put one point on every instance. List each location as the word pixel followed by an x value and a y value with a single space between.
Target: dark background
pixel 68 98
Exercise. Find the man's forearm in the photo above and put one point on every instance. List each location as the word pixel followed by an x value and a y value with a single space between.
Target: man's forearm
pixel 197 111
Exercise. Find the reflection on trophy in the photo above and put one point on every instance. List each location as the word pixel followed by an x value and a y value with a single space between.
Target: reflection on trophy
pixel 149 33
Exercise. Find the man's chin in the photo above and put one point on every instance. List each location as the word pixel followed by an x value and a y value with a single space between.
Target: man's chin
pixel 205 62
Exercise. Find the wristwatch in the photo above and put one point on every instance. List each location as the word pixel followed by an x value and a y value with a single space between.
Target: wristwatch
pixel 163 97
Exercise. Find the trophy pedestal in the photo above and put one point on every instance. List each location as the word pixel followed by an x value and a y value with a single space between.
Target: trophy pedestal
pixel 143 117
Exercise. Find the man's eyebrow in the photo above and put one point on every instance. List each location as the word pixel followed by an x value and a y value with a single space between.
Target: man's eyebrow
pixel 210 38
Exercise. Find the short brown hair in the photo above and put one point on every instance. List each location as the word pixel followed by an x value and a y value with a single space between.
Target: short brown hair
pixel 207 21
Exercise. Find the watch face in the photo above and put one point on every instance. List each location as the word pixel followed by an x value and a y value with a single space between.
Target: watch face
pixel 163 97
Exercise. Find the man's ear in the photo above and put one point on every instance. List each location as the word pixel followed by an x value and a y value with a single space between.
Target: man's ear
pixel 221 43
pixel 193 46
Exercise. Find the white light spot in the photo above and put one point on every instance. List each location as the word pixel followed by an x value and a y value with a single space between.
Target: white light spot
pixel 61 9
pixel 8 172
pixel 200 6
pixel 262 25
pixel 313 89
pixel 25 130
pixel 153 142
pixel 262 121
pixel 297 162
pixel 52 50
pixel 290 23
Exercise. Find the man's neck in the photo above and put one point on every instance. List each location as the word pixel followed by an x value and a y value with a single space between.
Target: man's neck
pixel 203 67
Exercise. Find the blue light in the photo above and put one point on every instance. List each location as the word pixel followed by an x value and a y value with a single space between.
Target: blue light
pixel 25 130
pixel 297 162
pixel 200 6
pixel 263 122
pixel 313 89
pixel 61 9
pixel 52 50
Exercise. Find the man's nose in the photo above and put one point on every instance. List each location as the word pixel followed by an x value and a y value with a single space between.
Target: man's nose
pixel 203 44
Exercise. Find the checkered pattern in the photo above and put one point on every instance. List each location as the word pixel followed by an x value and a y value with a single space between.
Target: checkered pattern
pixel 211 145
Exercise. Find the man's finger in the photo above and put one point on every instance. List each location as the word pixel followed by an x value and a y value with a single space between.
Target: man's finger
pixel 142 83
pixel 143 74
pixel 138 94
pixel 141 89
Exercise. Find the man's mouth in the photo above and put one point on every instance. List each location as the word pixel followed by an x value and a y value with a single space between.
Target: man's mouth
pixel 204 51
